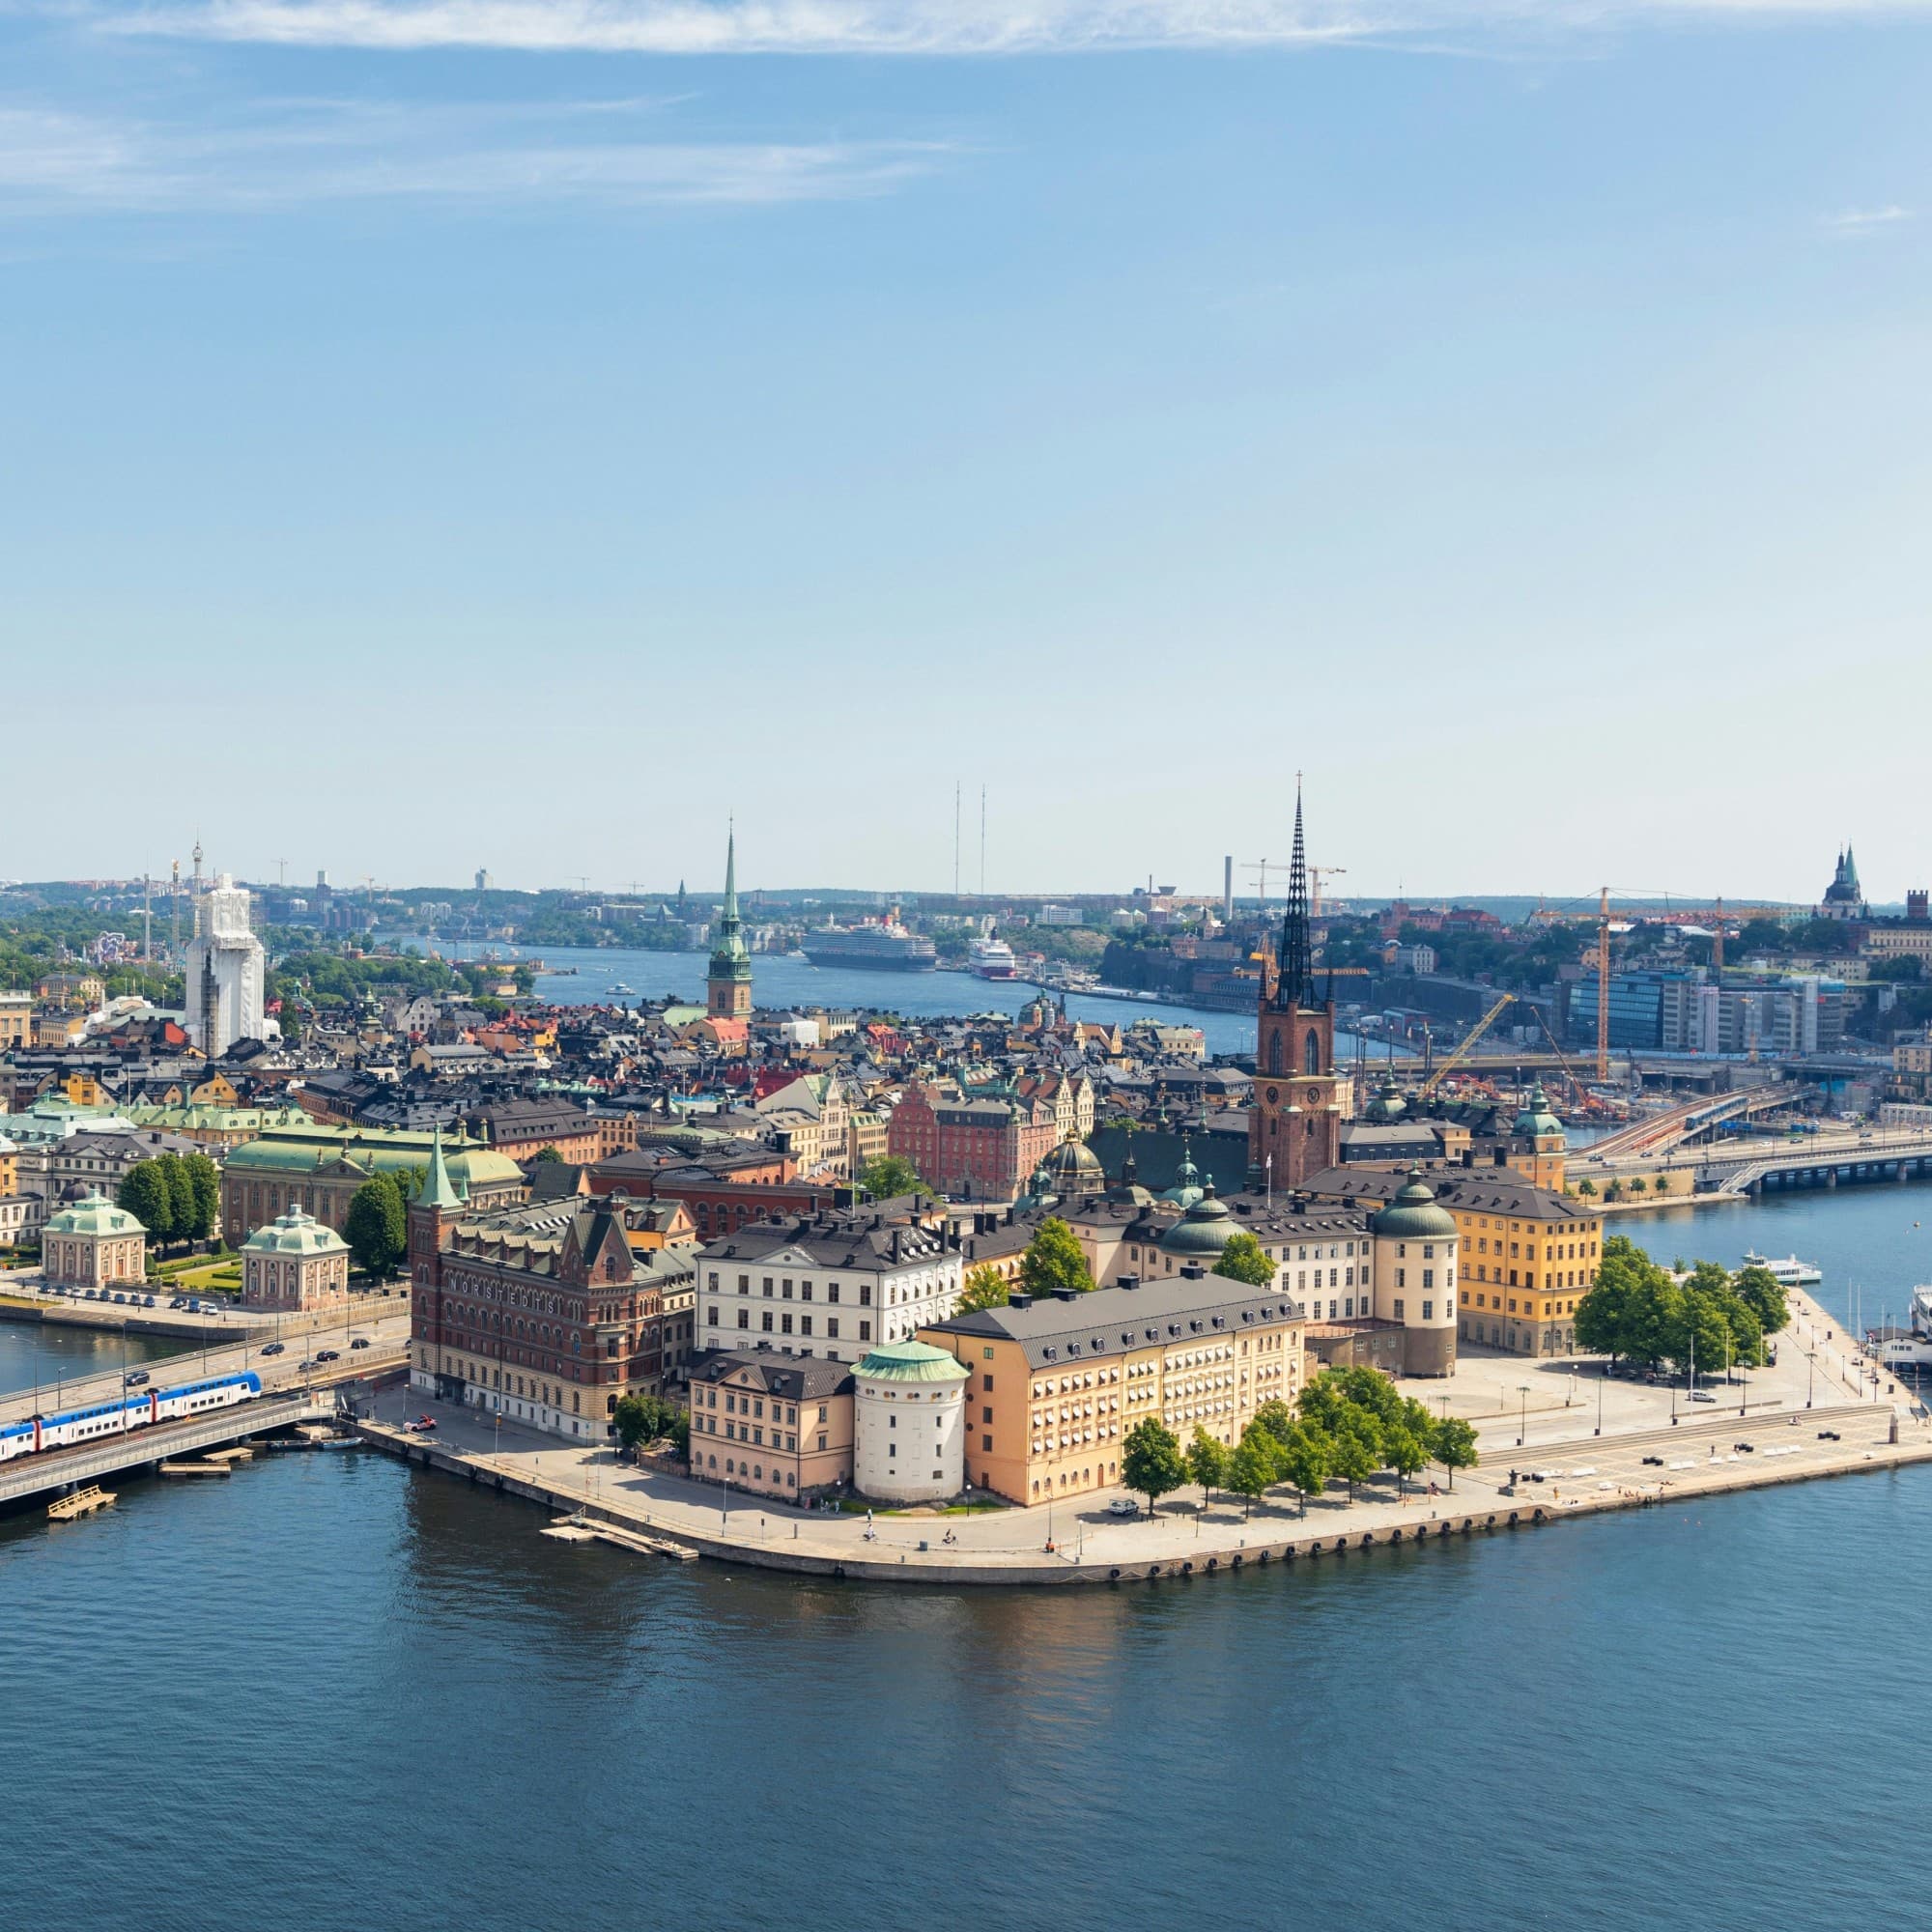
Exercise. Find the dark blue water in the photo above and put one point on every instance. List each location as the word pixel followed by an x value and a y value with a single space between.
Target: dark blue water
pixel 332 1690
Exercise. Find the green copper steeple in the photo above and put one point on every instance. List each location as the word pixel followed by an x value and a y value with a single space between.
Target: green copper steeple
pixel 729 979
pixel 438 1191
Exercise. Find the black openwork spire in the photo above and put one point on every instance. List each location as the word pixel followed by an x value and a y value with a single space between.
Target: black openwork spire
pixel 1294 984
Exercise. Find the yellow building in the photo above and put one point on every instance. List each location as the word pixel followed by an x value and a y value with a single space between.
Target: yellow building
pixel 1058 1382
pixel 1528 1254
pixel 16 1018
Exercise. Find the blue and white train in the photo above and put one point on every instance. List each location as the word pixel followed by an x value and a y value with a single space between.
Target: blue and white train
pixel 126 1412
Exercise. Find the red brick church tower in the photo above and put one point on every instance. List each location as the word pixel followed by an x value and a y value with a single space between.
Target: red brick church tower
pixel 1294 1125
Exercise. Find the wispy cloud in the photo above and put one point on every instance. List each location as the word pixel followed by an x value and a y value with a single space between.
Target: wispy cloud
pixel 1859 223
pixel 914 27
pixel 297 153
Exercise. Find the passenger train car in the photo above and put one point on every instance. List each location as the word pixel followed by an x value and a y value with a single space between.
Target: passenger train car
pixel 125 1413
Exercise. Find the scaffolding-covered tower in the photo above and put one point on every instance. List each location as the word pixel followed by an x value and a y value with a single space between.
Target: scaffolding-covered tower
pixel 225 971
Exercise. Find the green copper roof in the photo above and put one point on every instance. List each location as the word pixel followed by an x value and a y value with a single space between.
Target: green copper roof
pixel 912 1362
pixel 729 960
pixel 1205 1229
pixel 94 1214
pixel 295 1234
pixel 1414 1215
pixel 438 1190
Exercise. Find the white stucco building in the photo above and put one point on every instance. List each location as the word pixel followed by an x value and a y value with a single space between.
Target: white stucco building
pixel 225 972
pixel 909 1424
pixel 835 1286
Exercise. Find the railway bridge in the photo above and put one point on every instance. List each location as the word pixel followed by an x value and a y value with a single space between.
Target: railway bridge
pixel 54 1470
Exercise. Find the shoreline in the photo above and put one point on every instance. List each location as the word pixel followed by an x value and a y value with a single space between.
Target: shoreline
pixel 1257 1542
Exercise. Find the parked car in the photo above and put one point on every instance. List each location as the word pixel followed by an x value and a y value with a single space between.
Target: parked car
pixel 1828 1436
pixel 1654 1461
pixel 1702 1395
pixel 1123 1506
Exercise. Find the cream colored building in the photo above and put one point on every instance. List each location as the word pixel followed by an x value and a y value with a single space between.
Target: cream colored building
pixel 94 1244
pixel 778 1426
pixel 295 1262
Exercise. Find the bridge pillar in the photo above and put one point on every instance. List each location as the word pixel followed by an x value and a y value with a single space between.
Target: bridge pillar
pixel 1830 1176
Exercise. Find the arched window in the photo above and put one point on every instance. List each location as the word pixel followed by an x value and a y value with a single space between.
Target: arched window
pixel 1310 1052
pixel 1274 1055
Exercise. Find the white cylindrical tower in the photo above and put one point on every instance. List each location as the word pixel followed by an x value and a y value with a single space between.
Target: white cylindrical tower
pixel 909 1424
pixel 1416 1265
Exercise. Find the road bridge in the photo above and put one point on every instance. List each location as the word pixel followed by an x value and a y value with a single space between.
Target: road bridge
pixel 1658 1134
pixel 1749 1167
pixel 387 1351
pixel 52 1470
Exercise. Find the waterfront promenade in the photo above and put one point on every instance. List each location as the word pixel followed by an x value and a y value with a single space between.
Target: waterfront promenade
pixel 1564 1469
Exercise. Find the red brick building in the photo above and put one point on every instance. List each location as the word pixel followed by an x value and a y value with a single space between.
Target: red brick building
pixel 539 1312
pixel 972 1149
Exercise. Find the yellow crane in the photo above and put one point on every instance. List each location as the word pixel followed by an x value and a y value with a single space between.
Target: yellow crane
pixel 1452 1061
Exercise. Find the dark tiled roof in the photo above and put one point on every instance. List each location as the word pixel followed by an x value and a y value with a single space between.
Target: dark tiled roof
pixel 789 1378
pixel 1174 1312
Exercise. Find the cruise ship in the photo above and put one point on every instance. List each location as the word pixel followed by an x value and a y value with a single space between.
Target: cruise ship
pixel 992 959
pixel 878 946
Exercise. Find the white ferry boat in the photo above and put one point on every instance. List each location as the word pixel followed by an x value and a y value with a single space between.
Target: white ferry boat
pixel 1790 1272
pixel 991 959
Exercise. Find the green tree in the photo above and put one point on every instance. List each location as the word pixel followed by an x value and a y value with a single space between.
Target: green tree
pixel 375 1227
pixel 1053 1260
pixel 1760 1289
pixel 645 1418
pixel 1254 1468
pixel 1454 1445
pixel 1638 1185
pixel 985 1287
pixel 888 1175
pixel 1243 1260
pixel 206 1180
pixel 1151 1462
pixel 1586 1187
pixel 145 1194
pixel 550 1154
pixel 1307 1462
pixel 1276 1418
pixel 182 1213
pixel 1207 1462
pixel 1405 1452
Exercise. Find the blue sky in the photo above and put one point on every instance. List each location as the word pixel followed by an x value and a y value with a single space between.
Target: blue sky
pixel 499 431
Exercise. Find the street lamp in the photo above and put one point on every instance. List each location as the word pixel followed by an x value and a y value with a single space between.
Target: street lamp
pixel 1522 1424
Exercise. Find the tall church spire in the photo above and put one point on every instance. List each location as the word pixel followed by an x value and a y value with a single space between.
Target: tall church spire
pixel 438 1190
pixel 1294 983
pixel 728 983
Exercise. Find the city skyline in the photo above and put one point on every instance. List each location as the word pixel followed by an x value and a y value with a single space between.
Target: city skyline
pixel 432 401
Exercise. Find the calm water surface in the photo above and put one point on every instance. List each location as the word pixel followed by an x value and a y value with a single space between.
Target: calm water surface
pixel 332 1690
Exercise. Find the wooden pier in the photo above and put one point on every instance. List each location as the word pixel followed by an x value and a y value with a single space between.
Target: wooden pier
pixel 82 1502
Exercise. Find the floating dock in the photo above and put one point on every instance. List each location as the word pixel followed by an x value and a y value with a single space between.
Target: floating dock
pixel 197 1470
pixel 82 1502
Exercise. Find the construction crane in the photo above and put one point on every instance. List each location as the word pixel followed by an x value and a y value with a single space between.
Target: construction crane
pixel 1316 874
pixel 1259 869
pixel 1453 1060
